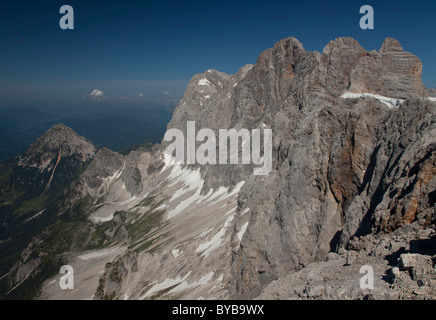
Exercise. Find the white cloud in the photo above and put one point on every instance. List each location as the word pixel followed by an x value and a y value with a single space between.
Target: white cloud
pixel 96 93
pixel 140 95
pixel 166 93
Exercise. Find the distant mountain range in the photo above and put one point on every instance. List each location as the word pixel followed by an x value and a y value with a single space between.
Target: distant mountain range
pixel 114 128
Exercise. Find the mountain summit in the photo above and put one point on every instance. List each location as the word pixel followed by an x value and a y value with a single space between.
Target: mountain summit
pixel 59 145
pixel 58 140
pixel 353 183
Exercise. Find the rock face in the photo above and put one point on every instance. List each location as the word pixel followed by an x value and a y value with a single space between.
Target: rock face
pixel 391 72
pixel 350 174
pixel 59 149
pixel 334 159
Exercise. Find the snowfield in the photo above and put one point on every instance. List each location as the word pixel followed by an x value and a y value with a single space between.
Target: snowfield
pixel 390 102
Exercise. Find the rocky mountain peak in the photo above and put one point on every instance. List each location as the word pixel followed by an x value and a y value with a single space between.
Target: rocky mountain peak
pixel 390 72
pixel 342 45
pixel 59 155
pixel 391 45
pixel 61 135
pixel 59 141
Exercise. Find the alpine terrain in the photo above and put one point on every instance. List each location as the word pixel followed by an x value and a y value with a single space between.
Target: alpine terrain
pixel 352 185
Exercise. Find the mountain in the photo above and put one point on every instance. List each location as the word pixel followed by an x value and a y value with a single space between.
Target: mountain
pixel 114 128
pixel 30 185
pixel 352 185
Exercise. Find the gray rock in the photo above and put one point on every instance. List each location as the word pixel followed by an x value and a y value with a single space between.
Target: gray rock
pixel 408 261
pixel 351 257
pixel 392 72
pixel 423 270
pixel 395 274
pixel 333 256
pixel 315 290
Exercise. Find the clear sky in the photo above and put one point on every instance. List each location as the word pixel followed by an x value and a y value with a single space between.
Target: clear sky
pixel 125 48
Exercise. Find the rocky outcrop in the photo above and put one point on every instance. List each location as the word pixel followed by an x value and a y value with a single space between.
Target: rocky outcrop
pixel 402 266
pixel 391 72
pixel 110 284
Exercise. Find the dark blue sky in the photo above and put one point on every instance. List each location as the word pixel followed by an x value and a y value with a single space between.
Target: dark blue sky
pixel 124 48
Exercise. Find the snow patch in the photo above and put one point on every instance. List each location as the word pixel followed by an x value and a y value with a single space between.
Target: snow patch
pixel 104 219
pixel 190 178
pixel 218 195
pixel 176 253
pixel 36 215
pixel 390 102
pixel 216 241
pixel 129 201
pixel 230 211
pixel 115 176
pixel 196 197
pixel 185 285
pixel 192 182
pixel 106 212
pixel 222 193
pixel 168 161
pixel 161 207
pixel 242 231
pixel 204 82
pixel 205 232
pixel 245 211
pixel 432 99
pixel 164 284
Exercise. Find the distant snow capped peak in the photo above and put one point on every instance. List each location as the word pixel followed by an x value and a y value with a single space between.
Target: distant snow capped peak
pixel 96 93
